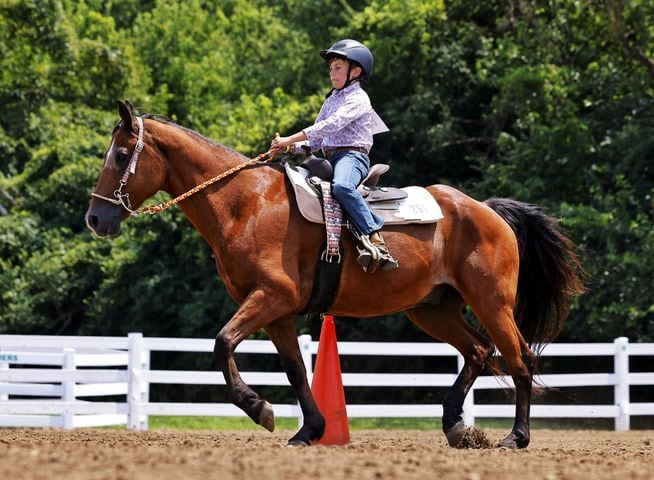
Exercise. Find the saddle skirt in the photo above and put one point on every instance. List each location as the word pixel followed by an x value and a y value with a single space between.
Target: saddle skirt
pixel 402 206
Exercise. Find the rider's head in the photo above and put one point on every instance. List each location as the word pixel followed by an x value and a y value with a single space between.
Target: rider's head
pixel 354 54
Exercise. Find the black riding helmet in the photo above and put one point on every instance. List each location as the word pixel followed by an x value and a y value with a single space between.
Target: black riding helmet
pixel 353 51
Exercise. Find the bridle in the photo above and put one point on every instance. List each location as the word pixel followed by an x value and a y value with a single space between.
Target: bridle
pixel 122 199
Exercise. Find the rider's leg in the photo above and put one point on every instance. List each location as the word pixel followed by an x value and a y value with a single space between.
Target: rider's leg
pixel 350 168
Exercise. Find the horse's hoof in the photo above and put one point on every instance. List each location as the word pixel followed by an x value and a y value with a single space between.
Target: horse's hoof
pixel 462 436
pixel 508 442
pixel 267 417
pixel 297 443
pixel 455 434
pixel 513 442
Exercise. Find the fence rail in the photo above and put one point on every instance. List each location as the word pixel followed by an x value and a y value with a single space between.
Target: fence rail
pixel 57 374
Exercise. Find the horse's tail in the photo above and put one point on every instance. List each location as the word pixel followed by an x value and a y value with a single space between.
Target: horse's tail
pixel 550 271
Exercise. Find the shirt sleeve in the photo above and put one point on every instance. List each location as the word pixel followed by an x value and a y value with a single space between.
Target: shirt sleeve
pixel 352 109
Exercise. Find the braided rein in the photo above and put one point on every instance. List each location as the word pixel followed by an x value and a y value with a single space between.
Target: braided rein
pixel 154 209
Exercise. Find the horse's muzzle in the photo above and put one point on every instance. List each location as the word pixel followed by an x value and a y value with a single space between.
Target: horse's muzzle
pixel 103 222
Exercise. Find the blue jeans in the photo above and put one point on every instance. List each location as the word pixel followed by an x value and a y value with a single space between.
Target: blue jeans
pixel 350 168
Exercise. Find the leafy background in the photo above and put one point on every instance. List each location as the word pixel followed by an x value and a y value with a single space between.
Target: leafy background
pixel 549 102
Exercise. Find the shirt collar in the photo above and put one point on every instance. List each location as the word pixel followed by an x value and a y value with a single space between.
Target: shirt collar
pixel 349 88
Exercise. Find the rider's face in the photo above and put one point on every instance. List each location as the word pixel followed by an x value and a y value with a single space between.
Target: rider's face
pixel 338 68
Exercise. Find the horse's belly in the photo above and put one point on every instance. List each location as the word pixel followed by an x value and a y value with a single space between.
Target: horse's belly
pixel 381 293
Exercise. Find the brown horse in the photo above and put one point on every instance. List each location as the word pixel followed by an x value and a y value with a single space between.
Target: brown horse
pixel 492 256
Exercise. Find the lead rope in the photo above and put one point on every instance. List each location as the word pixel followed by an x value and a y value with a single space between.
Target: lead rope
pixel 154 209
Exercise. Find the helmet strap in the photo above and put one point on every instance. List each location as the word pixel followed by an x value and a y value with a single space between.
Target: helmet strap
pixel 349 80
pixel 349 71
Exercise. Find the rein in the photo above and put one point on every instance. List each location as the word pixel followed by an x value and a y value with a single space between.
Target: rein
pixel 153 209
pixel 121 198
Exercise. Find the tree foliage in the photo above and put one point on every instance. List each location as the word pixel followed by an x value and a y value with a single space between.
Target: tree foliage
pixel 549 102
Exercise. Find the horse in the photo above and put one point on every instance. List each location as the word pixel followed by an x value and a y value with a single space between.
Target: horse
pixel 498 257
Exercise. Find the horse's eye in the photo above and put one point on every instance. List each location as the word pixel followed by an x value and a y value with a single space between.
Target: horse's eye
pixel 121 155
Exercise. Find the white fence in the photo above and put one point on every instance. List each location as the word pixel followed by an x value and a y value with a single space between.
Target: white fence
pixel 61 371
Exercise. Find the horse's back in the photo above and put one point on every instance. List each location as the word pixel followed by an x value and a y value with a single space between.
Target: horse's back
pixel 463 212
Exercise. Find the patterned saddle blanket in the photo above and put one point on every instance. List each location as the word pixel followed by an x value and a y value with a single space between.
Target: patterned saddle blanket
pixel 400 207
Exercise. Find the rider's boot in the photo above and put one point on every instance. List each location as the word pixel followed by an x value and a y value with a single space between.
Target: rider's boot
pixel 387 260
pixel 375 254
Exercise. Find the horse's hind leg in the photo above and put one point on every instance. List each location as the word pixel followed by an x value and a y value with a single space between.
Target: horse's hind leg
pixel 497 318
pixel 284 336
pixel 445 322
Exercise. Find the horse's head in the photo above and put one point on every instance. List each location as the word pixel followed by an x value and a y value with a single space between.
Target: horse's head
pixel 122 187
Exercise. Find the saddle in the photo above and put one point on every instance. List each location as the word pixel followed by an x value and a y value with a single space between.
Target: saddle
pixel 396 206
pixel 311 183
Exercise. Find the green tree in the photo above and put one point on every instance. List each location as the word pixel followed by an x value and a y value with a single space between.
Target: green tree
pixel 61 63
pixel 573 124
pixel 548 102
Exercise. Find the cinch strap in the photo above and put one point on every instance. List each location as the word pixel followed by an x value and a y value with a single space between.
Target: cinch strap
pixel 333 218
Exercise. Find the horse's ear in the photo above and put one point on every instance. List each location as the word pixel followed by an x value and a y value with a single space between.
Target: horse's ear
pixel 126 112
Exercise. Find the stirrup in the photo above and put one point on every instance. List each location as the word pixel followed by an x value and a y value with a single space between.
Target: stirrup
pixel 368 255
pixel 387 261
pixel 372 256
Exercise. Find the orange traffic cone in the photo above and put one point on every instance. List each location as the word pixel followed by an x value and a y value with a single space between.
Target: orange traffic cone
pixel 327 387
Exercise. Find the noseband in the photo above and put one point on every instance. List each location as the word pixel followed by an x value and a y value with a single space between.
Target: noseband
pixel 122 199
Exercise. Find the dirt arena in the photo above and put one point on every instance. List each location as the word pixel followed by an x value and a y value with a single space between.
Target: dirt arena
pixel 372 454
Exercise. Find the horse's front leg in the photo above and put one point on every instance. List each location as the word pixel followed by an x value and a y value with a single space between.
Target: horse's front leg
pixel 254 313
pixel 284 335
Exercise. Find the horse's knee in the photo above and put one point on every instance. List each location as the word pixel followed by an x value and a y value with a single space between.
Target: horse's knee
pixel 222 348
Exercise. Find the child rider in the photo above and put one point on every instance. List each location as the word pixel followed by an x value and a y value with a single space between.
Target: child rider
pixel 343 130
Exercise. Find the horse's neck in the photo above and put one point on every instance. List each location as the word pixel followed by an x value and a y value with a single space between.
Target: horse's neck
pixel 193 160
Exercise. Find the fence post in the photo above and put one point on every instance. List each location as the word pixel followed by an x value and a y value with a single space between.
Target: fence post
pixel 68 416
pixel 4 366
pixel 621 389
pixel 145 389
pixel 469 402
pixel 305 350
pixel 134 391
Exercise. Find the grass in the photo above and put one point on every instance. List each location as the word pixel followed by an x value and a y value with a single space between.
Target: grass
pixel 244 423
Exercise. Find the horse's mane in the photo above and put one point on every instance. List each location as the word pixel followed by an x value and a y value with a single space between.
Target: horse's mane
pixel 193 133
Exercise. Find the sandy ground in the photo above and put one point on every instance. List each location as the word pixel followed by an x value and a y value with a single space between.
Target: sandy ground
pixel 372 454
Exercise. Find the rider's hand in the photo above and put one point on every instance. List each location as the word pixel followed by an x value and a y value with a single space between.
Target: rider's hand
pixel 279 145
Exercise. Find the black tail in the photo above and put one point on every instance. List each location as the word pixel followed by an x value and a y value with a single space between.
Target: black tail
pixel 550 271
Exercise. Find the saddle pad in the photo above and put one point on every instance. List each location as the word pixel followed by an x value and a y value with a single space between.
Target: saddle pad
pixel 418 207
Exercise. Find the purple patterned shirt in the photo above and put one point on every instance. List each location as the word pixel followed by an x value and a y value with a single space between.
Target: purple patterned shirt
pixel 345 120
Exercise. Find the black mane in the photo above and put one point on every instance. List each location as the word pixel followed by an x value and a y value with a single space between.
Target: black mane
pixel 167 121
